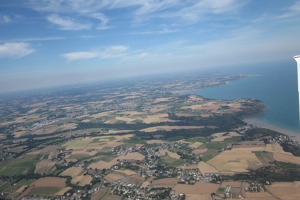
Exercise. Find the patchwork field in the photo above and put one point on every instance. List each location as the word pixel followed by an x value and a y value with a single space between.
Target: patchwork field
pixel 165 182
pixel 169 128
pixel 82 180
pixel 113 177
pixel 50 182
pixel 126 172
pixel 206 168
pixel 169 153
pixel 46 186
pixel 283 157
pixel 237 160
pixel 44 166
pixel 154 141
pixel 104 194
pixel 200 188
pixel 131 156
pixel 96 143
pixel 72 171
pixel 198 196
pixel 259 196
pixel 102 164
pixel 218 137
pixel 196 145
pixel 276 148
pixel 55 128
pixel 19 166
pixel 285 190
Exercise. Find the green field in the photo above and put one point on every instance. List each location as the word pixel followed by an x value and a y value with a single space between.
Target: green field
pixel 44 191
pixel 19 166
pixel 209 155
pixel 9 187
pixel 171 162
pixel 107 157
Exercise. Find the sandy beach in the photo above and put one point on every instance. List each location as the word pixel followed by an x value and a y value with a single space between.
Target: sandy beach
pixel 293 135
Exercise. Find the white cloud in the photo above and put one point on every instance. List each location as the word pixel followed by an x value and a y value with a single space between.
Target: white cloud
pixel 103 20
pixel 291 11
pixel 15 50
pixel 158 32
pixel 110 52
pixel 66 23
pixel 295 7
pixel 80 55
pixel 199 10
pixel 5 19
pixel 141 9
pixel 34 39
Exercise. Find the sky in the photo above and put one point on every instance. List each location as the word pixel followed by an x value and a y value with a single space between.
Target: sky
pixel 59 42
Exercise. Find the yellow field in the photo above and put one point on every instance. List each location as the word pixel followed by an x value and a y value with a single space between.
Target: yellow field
pixel 82 180
pixel 236 160
pixel 131 156
pixel 199 188
pixel 199 151
pixel 154 141
pixel 210 106
pixel 19 133
pixel 285 190
pixel 169 153
pixel 95 142
pixel 50 182
pixel 169 128
pixel 198 196
pixel 102 114
pixel 165 182
pixel 276 148
pixel 72 171
pixel 103 165
pixel 259 196
pixel 283 157
pixel 113 177
pixel 126 172
pixel 206 168
pixel 218 137
pixel 131 113
pixel 126 119
pixel 55 128
pixel 63 191
pixel 196 145
pixel 159 100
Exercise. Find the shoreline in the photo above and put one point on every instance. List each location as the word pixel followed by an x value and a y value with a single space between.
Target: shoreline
pixel 258 123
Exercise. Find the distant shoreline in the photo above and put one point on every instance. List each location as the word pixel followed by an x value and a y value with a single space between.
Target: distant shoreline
pixel 258 123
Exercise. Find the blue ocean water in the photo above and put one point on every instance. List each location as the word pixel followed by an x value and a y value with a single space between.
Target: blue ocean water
pixel 276 86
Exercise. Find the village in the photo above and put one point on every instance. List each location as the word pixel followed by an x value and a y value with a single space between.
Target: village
pixel 139 142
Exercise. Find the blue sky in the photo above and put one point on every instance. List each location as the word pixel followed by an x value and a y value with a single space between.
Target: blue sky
pixel 57 42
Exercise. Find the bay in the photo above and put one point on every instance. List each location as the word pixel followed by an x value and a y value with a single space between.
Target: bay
pixel 275 85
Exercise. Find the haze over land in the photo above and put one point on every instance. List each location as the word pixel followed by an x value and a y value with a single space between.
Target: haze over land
pixel 149 99
pixel 52 43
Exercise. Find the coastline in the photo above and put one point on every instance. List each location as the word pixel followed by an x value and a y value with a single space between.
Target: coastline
pixel 258 123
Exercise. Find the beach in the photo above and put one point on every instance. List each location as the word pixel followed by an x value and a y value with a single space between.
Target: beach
pixel 292 134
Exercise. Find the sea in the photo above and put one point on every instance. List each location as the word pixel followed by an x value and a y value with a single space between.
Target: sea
pixel 274 83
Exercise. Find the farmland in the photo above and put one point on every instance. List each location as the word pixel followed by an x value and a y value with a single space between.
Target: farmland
pixel 20 166
pixel 235 161
pixel 147 140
